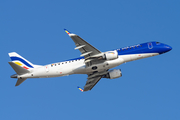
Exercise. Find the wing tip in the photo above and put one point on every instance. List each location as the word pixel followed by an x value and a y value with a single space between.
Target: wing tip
pixel 80 89
pixel 67 31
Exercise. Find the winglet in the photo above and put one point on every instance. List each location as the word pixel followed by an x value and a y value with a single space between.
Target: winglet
pixel 67 31
pixel 80 89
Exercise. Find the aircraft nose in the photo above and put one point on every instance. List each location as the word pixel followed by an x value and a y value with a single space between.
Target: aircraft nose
pixel 168 48
pixel 165 48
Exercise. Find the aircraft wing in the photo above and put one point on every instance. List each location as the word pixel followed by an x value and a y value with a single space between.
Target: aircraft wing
pixel 90 83
pixel 89 52
pixel 84 47
pixel 93 79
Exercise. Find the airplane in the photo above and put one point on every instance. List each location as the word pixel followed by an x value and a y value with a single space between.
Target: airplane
pixel 93 62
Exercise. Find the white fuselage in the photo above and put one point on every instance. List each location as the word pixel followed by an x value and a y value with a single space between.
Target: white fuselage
pixel 78 66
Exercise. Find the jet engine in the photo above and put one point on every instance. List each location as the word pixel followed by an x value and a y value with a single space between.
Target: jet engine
pixel 112 74
pixel 111 55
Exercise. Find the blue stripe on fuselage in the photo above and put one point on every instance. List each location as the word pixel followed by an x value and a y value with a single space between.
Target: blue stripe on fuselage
pixel 153 47
pixel 149 47
pixel 23 61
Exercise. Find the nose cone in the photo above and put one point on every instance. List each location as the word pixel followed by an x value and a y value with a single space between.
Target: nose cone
pixel 165 48
pixel 168 48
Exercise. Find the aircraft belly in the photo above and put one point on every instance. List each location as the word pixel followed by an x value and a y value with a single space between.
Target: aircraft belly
pixel 128 58
pixel 114 63
pixel 38 72
pixel 149 55
pixel 80 69
pixel 64 70
pixel 132 57
pixel 104 66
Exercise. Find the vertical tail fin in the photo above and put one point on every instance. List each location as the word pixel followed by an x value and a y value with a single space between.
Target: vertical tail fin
pixel 21 66
pixel 19 60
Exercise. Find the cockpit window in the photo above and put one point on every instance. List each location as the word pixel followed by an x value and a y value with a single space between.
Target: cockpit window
pixel 157 43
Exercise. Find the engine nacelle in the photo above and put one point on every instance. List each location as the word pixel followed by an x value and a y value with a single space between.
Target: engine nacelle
pixel 112 74
pixel 111 55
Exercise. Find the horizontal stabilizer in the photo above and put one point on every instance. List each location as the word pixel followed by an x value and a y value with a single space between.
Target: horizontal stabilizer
pixel 20 80
pixel 18 69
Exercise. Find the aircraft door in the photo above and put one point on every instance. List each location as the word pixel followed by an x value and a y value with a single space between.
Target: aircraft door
pixel 47 68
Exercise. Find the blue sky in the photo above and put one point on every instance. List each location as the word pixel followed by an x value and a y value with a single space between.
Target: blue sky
pixel 149 88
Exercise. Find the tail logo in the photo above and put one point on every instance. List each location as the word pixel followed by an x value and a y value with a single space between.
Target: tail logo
pixel 21 62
